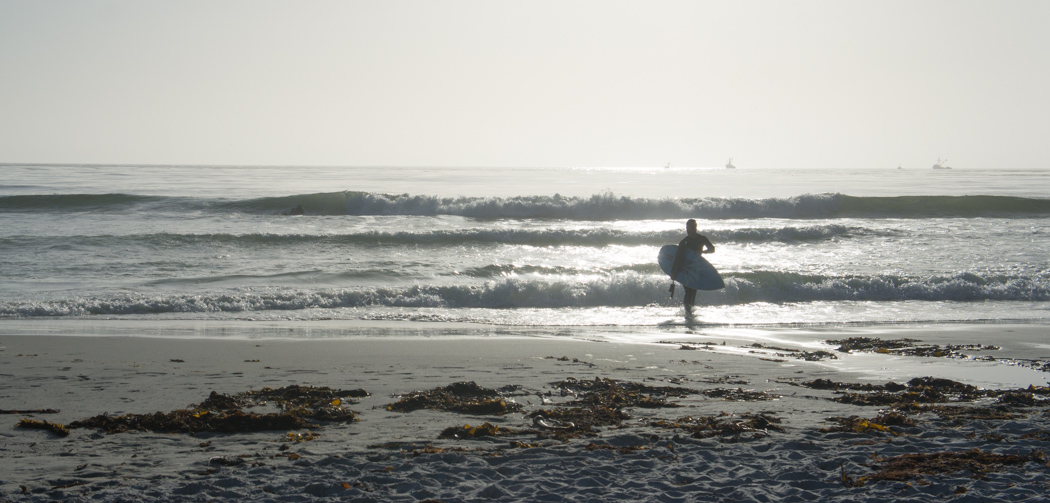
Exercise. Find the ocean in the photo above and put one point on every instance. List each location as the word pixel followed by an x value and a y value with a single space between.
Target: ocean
pixel 544 249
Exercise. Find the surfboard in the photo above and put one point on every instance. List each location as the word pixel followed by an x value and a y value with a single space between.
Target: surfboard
pixel 697 272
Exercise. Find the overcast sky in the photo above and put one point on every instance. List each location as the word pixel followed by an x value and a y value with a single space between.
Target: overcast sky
pixel 773 84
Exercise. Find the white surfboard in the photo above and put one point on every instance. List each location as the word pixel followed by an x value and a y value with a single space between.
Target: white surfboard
pixel 697 272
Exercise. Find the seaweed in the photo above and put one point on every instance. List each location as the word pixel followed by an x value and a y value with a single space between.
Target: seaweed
pixel 739 395
pixel 918 390
pixel 28 411
pixel 725 425
pixel 976 461
pixel 839 386
pixel 300 405
pixel 729 379
pixel 810 356
pixel 573 360
pixel 873 344
pixel 301 437
pixel 907 347
pixel 961 413
pixel 599 384
pixel 573 422
pixel 188 421
pixel 462 397
pixel 56 428
pixel 601 392
pixel 467 431
pixel 879 424
pixel 295 396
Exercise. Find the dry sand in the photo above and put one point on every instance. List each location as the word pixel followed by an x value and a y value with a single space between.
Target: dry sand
pixel 396 456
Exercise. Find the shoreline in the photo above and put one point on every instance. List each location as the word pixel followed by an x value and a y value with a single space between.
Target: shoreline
pixel 1021 349
pixel 399 456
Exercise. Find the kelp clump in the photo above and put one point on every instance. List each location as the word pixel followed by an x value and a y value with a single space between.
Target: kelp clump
pixel 729 427
pixel 603 392
pixel 462 397
pixel 809 356
pixel 572 422
pixel 56 428
pixel 485 430
pixel 879 424
pixel 977 462
pixel 907 347
pixel 918 390
pixel 739 395
pixel 299 406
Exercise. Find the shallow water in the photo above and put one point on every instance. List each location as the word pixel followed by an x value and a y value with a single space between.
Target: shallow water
pixel 521 247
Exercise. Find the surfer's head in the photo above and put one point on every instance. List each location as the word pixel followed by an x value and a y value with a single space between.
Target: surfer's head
pixel 690 226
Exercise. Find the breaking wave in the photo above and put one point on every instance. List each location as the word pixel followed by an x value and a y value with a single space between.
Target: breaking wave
pixel 628 289
pixel 599 207
pixel 527 237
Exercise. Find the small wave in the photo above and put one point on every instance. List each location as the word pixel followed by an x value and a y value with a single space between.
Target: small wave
pixel 617 290
pixel 510 270
pixel 463 237
pixel 78 202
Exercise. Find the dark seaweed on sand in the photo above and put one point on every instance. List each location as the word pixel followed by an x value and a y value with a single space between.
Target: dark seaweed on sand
pixel 929 395
pixel 485 430
pixel 729 427
pixel 739 395
pixel 907 347
pixel 299 405
pixel 883 423
pixel 462 397
pixel 188 421
pixel 603 392
pixel 564 423
pixel 918 390
pixel 29 411
pixel 912 466
pixel 809 356
pixel 56 428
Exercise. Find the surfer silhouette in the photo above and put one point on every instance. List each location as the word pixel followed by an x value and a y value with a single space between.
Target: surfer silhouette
pixel 697 243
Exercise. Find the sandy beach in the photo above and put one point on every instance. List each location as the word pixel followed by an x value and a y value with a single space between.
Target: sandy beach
pixel 692 423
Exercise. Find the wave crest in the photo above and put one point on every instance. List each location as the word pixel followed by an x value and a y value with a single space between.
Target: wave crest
pixel 599 207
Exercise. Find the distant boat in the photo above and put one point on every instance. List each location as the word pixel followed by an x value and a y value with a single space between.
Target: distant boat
pixel 941 164
pixel 729 165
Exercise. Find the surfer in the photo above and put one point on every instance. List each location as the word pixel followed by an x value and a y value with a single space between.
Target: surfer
pixel 697 243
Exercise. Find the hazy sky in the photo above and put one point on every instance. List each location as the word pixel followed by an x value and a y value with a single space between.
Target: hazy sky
pixel 527 83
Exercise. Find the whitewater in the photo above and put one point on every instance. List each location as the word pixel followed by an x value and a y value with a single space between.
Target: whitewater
pixel 523 247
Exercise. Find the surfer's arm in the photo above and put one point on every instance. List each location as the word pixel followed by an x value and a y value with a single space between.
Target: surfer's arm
pixel 707 247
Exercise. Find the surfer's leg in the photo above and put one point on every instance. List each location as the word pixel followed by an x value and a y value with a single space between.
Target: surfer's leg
pixel 690 299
